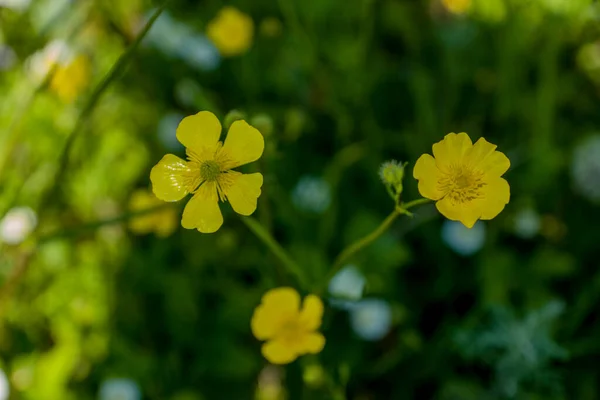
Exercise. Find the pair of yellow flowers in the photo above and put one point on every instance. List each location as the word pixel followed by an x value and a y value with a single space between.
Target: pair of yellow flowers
pixel 463 178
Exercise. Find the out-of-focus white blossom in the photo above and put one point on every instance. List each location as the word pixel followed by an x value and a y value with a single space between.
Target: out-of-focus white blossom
pixel 462 240
pixel 527 223
pixel 346 287
pixel 41 63
pixel 371 319
pixel 15 5
pixel 119 389
pixel 312 194
pixel 585 169
pixel 167 127
pixel 178 40
pixel 17 224
pixel 4 386
pixel 8 58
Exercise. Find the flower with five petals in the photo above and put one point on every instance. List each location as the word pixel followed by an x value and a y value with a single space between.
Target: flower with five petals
pixel 464 178
pixel 290 331
pixel 207 173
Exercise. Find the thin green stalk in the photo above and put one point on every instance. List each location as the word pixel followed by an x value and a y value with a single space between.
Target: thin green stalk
pixel 261 233
pixel 23 264
pixel 357 246
pixel 414 203
pixel 89 106
pixel 75 231
pixel 360 244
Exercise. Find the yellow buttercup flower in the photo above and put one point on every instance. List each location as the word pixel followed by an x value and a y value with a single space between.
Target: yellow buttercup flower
pixel 231 31
pixel 207 173
pixel 290 331
pixel 457 6
pixel 70 79
pixel 464 178
pixel 162 222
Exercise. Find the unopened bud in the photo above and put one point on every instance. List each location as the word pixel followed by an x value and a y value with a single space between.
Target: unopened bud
pixel 232 116
pixel 263 122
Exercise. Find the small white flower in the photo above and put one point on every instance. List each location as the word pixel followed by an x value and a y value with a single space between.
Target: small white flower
pixel 200 53
pixel 8 58
pixel 585 169
pixel 371 319
pixel 119 389
pixel 17 224
pixel 527 223
pixel 4 386
pixel 42 62
pixel 312 194
pixel 462 240
pixel 15 5
pixel 166 131
pixel 346 287
pixel 178 40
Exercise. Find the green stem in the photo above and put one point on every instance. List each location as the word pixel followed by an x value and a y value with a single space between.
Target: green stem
pixel 89 106
pixel 73 232
pixel 355 247
pixel 414 203
pixel 261 233
pixel 360 244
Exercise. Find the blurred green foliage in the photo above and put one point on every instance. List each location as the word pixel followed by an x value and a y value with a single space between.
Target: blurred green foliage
pixel 337 88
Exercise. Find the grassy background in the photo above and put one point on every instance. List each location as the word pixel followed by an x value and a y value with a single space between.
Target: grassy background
pixel 348 85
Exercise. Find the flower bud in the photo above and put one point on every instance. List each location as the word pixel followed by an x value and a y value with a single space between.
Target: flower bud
pixel 232 116
pixel 263 122
pixel 392 173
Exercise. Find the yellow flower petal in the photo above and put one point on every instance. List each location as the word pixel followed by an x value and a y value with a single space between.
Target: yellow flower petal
pixel 168 180
pixel 452 149
pixel 311 314
pixel 166 222
pixel 277 307
pixel 497 195
pixel 277 352
pixel 495 164
pixel 243 145
pixel 285 300
pixel 480 150
pixel 313 343
pixel 467 213
pixel 202 211
pixel 231 31
pixel 428 175
pixel 263 323
pixel 243 192
pixel 200 133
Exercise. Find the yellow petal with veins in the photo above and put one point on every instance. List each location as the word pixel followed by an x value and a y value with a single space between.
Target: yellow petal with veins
pixel 168 178
pixel 428 175
pixel 243 145
pixel 200 133
pixel 466 213
pixel 202 211
pixel 243 192
pixel 451 150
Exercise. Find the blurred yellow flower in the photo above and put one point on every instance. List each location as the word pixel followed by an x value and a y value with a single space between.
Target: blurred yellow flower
pixel 207 172
pixel 457 6
pixel 289 330
pixel 162 222
pixel 231 31
pixel 271 27
pixel 71 79
pixel 464 179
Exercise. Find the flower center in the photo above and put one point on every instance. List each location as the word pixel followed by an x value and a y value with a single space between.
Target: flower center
pixel 291 331
pixel 210 170
pixel 462 184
